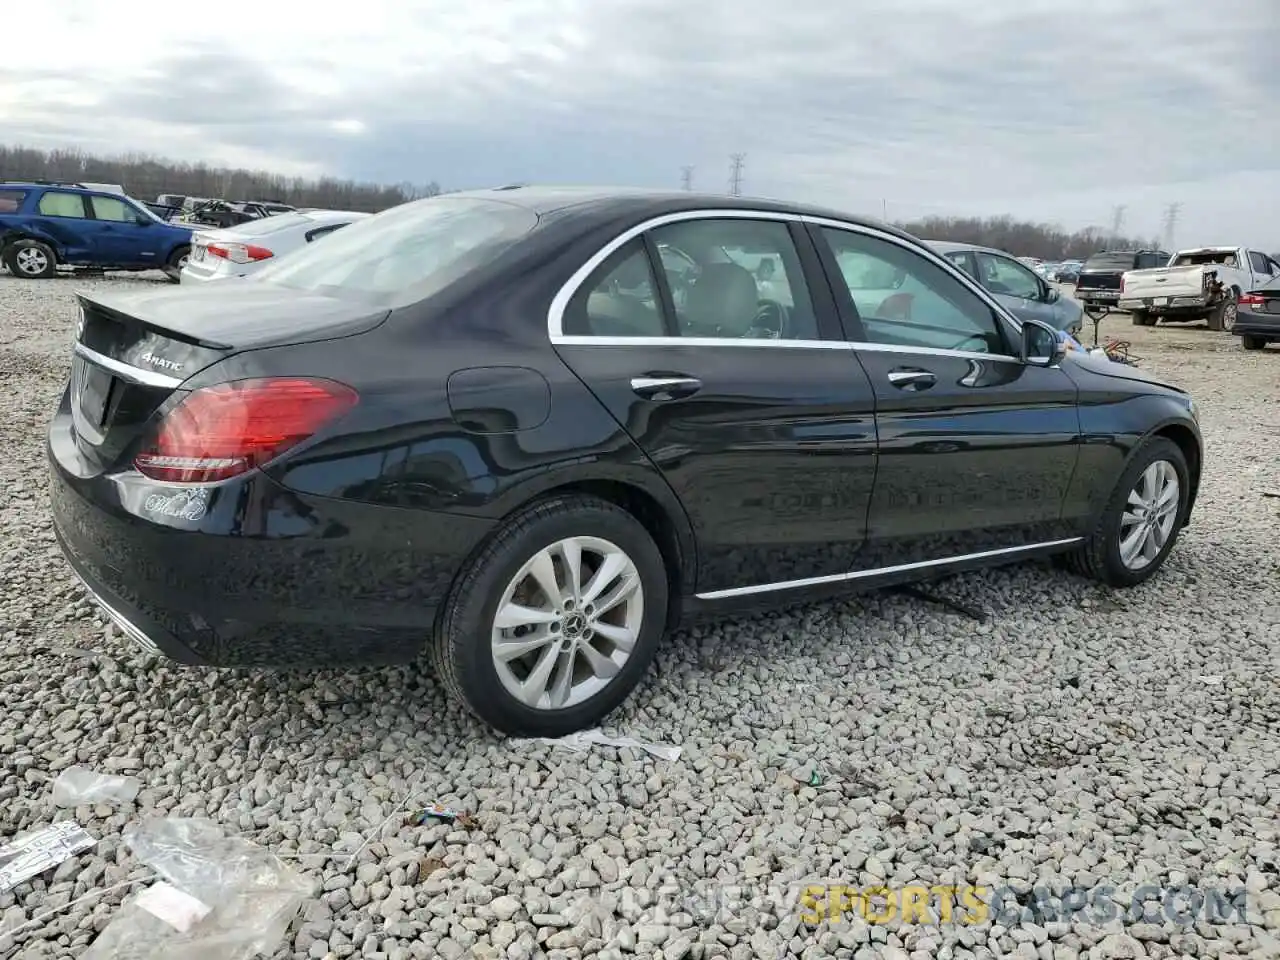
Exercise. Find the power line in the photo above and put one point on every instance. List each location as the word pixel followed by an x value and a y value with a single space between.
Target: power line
pixel 735 173
pixel 1170 223
pixel 686 178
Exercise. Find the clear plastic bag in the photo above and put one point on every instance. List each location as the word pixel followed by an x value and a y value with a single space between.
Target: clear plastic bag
pixel 77 785
pixel 251 895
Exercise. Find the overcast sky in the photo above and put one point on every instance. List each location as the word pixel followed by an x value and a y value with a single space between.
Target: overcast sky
pixel 1047 110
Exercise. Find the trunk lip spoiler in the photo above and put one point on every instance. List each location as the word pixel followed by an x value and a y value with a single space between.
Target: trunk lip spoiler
pixel 146 378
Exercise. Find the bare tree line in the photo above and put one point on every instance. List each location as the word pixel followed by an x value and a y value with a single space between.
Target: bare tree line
pixel 1046 241
pixel 146 177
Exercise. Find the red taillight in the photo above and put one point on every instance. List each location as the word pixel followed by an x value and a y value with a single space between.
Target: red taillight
pixel 1252 300
pixel 239 252
pixel 228 429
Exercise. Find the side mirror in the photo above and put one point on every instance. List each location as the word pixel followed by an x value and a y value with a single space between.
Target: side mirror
pixel 1042 345
pixel 1051 294
pixel 142 221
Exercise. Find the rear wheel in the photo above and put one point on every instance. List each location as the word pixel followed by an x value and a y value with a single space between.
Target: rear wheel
pixel 177 260
pixel 1223 316
pixel 1143 318
pixel 1140 524
pixel 1253 343
pixel 554 623
pixel 30 259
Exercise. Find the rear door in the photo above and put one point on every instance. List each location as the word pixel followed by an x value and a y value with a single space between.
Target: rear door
pixel 64 217
pixel 977 449
pixel 746 399
pixel 119 234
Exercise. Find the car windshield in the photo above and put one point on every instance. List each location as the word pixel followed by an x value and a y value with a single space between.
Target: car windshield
pixel 407 253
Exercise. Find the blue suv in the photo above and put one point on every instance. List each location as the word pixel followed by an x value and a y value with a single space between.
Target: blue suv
pixel 45 225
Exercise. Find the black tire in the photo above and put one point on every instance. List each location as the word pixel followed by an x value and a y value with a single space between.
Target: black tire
pixel 1099 556
pixel 173 267
pixel 1142 318
pixel 1223 316
pixel 1250 342
pixel 460 649
pixel 39 263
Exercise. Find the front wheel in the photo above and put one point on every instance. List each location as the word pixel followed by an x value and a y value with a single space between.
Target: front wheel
pixel 554 623
pixel 1140 524
pixel 31 260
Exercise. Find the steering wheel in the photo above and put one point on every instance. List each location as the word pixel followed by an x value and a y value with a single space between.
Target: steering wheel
pixel 772 321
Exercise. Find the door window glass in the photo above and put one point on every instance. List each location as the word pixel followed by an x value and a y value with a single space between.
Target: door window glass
pixel 904 299
pixel 965 261
pixel 1008 277
pixel 56 203
pixel 1260 262
pixel 736 279
pixel 619 300
pixel 110 208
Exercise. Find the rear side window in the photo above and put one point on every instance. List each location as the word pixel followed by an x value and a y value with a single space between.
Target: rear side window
pixel 620 299
pixel 407 253
pixel 11 200
pixel 56 203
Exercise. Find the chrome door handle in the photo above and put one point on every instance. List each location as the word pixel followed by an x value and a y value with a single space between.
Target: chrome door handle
pixel 665 388
pixel 912 379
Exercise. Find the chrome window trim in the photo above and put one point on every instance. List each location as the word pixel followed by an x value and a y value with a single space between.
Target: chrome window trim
pixel 880 571
pixel 560 302
pixel 147 378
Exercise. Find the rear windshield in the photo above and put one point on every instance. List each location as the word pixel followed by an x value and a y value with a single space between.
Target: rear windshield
pixel 407 253
pixel 1107 261
pixel 1207 256
pixel 11 200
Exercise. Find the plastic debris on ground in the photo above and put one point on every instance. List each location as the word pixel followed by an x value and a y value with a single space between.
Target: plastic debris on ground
pixel 31 854
pixel 78 785
pixel 219 897
pixel 584 740
pixel 435 812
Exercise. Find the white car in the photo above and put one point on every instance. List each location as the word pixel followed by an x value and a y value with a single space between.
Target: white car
pixel 242 250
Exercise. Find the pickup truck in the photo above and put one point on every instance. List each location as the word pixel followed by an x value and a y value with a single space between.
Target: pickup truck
pixel 1098 279
pixel 1201 284
pixel 45 225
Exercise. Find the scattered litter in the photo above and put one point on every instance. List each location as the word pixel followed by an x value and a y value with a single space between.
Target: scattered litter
pixel 33 853
pixel 815 778
pixel 230 898
pixel 583 740
pixel 436 811
pixel 1211 679
pixel 166 902
pixel 79 785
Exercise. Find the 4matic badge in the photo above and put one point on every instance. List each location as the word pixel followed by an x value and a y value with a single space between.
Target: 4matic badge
pixel 187 505
pixel 161 362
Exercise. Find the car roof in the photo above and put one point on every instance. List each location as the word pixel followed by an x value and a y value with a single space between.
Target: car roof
pixel 607 200
pixel 953 246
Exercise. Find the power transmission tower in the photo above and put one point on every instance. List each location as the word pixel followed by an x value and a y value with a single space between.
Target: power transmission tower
pixel 1117 221
pixel 686 178
pixel 735 174
pixel 1170 223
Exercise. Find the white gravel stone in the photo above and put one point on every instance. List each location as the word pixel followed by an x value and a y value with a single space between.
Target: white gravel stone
pixel 1070 740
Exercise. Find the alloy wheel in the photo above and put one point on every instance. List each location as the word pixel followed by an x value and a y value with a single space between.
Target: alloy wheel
pixel 567 623
pixel 31 261
pixel 1229 310
pixel 1150 514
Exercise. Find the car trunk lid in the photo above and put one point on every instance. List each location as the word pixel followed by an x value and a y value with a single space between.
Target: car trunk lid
pixel 134 351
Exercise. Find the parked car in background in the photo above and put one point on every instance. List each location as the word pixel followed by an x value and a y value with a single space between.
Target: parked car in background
pixel 45 226
pixel 1098 282
pixel 1028 295
pixel 245 249
pixel 482 423
pixel 1201 284
pixel 1258 317
pixel 1066 272
pixel 1045 269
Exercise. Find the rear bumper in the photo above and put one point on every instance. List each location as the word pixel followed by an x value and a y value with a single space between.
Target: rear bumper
pixel 1165 304
pixel 258 576
pixel 1257 324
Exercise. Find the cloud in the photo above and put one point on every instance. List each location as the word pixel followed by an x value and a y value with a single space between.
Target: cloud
pixel 1032 107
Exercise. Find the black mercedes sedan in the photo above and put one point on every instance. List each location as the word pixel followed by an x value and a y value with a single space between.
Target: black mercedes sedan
pixel 530 430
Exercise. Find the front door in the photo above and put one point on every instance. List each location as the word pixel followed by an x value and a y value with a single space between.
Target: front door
pixel 742 392
pixel 118 236
pixel 977 449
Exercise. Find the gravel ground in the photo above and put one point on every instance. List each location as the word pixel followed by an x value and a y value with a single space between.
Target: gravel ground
pixel 1080 738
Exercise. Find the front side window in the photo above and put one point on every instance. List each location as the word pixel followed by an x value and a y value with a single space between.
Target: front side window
pixel 620 299
pixel 113 209
pixel 407 253
pixel 905 299
pixel 1261 263
pixel 736 279
pixel 1007 277
pixel 57 203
